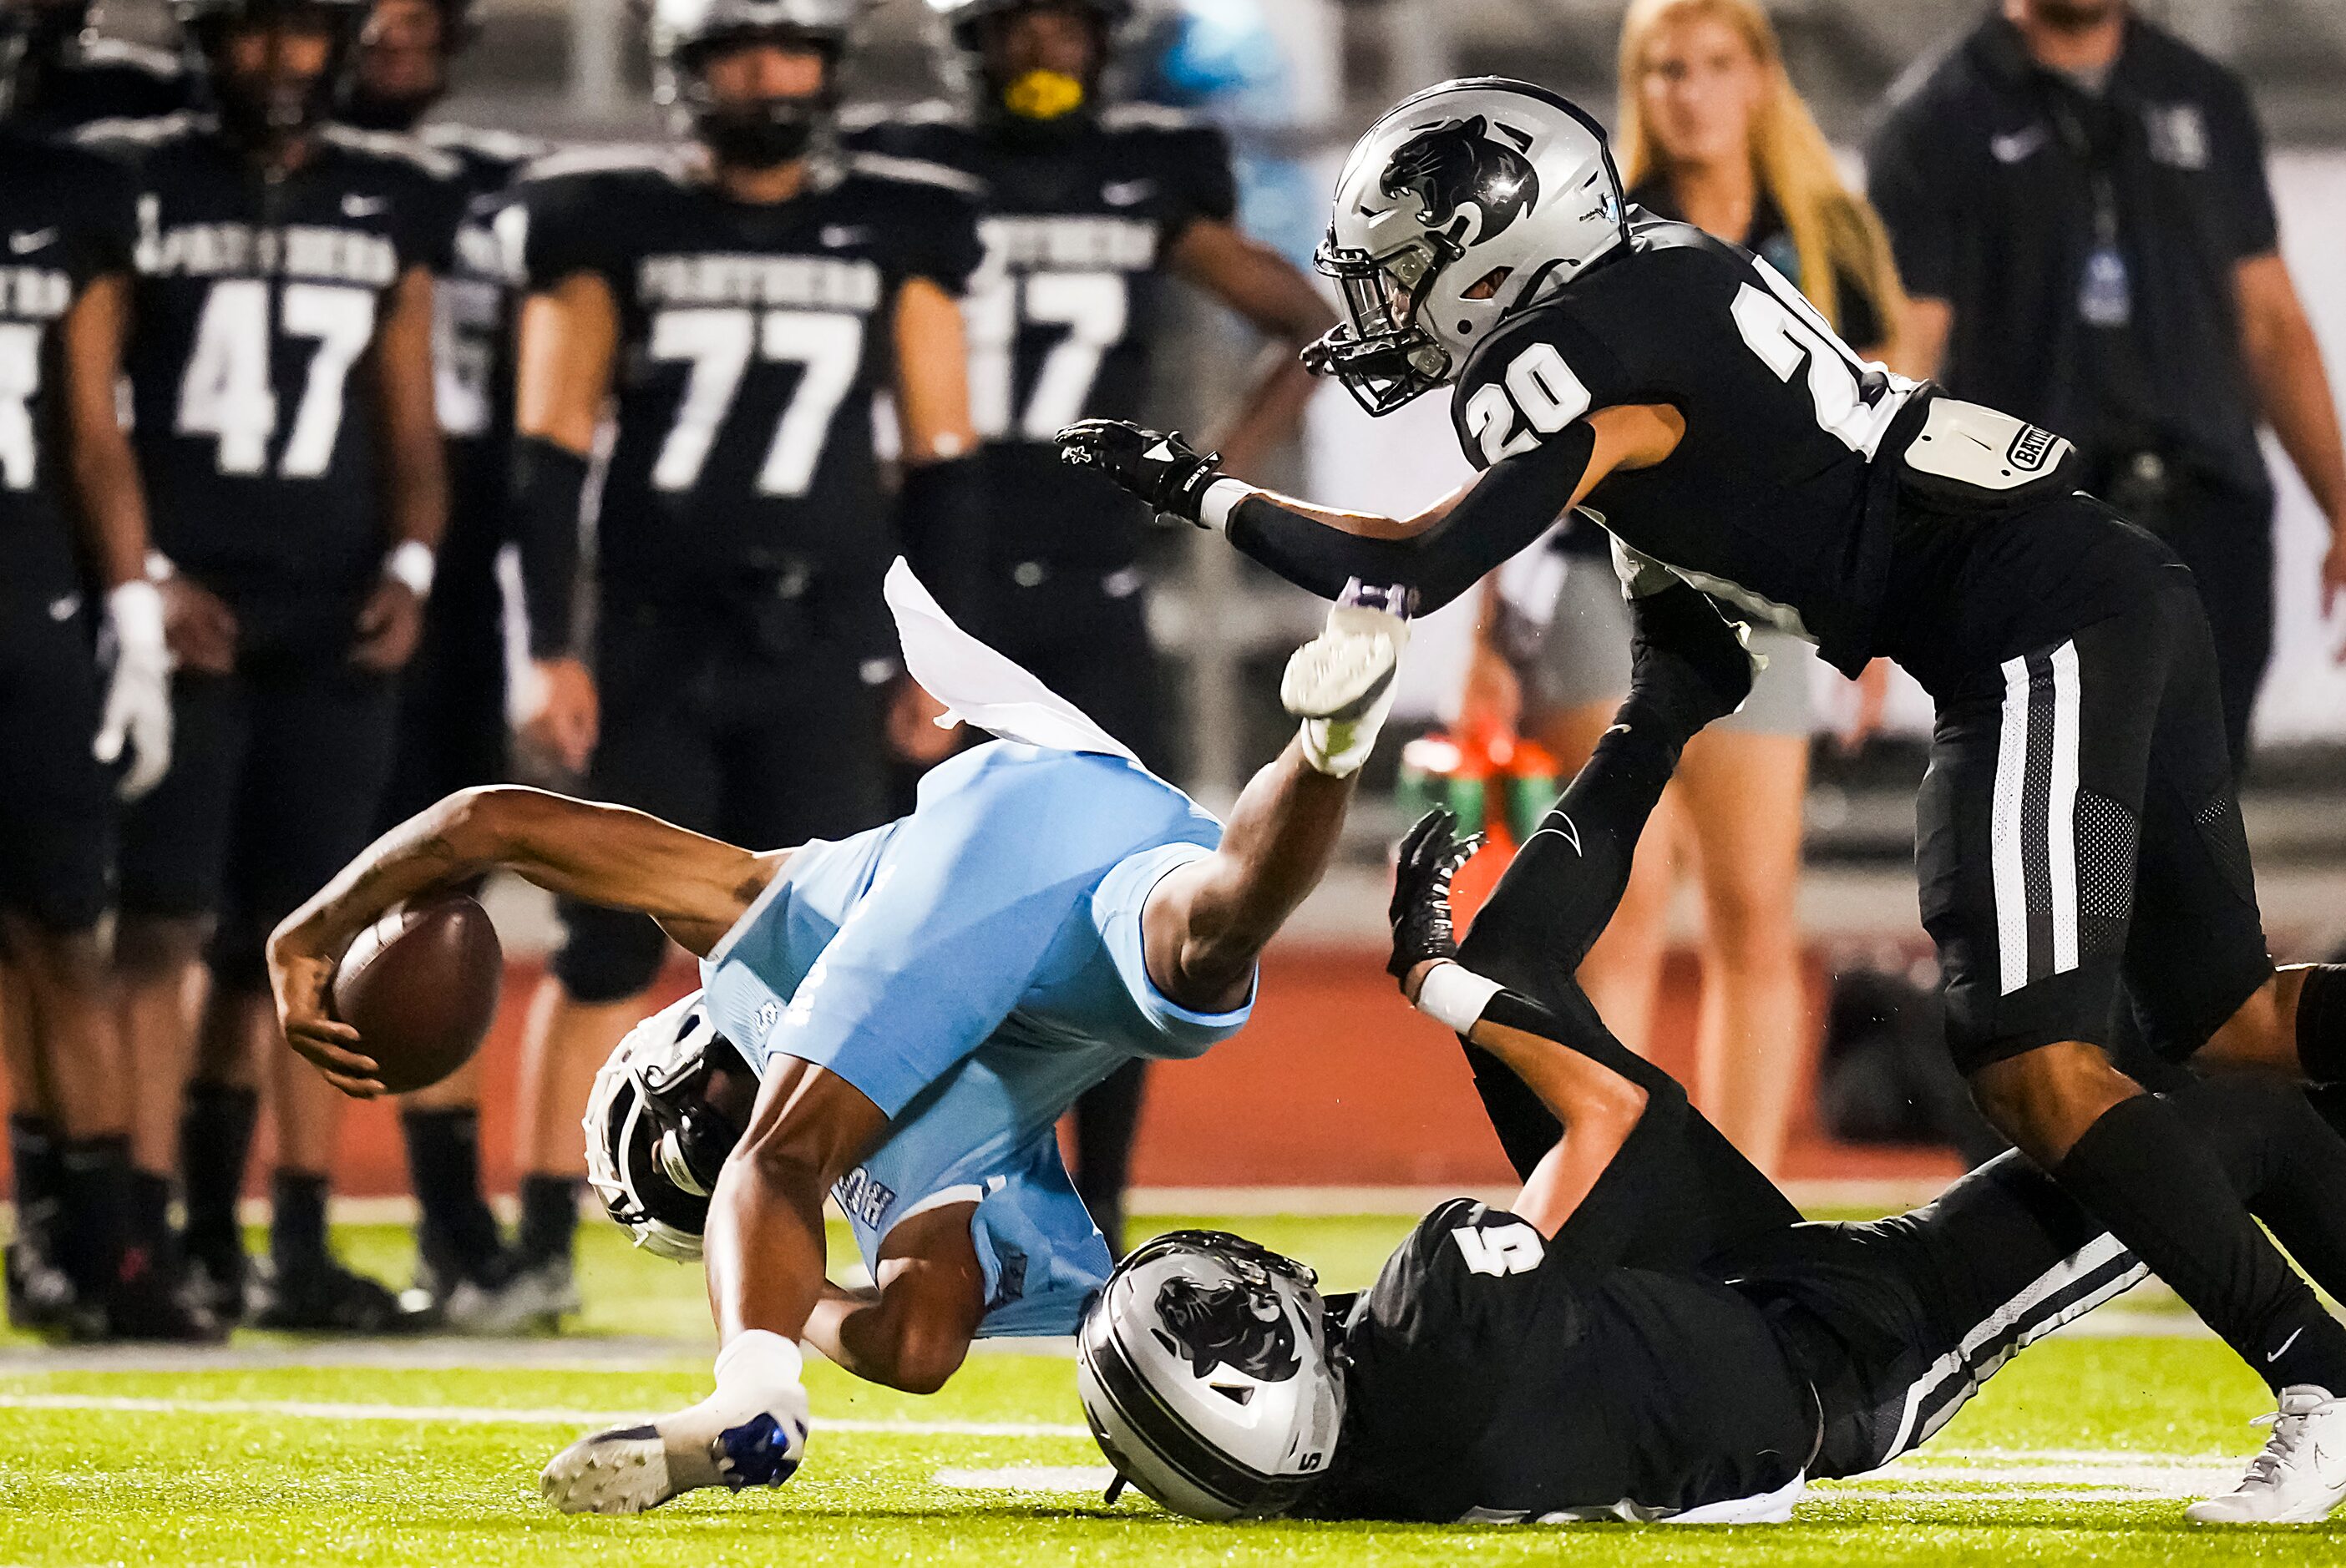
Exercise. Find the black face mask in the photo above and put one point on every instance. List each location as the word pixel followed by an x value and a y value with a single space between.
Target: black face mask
pixel 365 111
pixel 759 135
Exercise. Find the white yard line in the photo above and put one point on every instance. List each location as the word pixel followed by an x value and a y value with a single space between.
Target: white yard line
pixel 489 1415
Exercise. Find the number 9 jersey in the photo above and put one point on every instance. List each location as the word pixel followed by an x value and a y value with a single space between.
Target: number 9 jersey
pixel 256 306
pixel 1771 499
pixel 752 340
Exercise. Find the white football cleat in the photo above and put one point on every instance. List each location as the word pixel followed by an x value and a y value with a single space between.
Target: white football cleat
pixel 2301 1474
pixel 1342 682
pixel 628 1470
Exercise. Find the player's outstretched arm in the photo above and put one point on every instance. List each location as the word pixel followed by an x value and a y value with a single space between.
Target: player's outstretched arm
pixel 1441 553
pixel 1597 1107
pixel 695 887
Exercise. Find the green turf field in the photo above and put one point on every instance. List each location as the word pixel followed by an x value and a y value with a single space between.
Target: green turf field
pixel 282 1452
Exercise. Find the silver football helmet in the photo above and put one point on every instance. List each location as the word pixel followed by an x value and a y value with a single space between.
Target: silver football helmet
pixel 1455 209
pixel 1206 1375
pixel 684 33
pixel 654 1143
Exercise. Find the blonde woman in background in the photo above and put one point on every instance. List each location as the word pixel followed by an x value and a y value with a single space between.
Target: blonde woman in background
pixel 1711 133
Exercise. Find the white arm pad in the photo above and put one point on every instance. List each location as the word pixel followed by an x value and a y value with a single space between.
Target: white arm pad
pixel 1221 498
pixel 1454 996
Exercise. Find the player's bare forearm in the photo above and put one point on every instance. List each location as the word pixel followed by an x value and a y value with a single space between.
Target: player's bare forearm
pixel 2284 359
pixel 1207 923
pixel 112 503
pixel 415 477
pixel 931 375
pixel 763 1246
pixel 1279 301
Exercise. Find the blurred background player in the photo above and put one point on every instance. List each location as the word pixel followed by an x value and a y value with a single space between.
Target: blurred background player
pixel 280 373
pixel 1088 207
pixel 73 1264
pixel 79 75
pixel 2080 201
pixel 453 730
pixel 741 298
pixel 1712 133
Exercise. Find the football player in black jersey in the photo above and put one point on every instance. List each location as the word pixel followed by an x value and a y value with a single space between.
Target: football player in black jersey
pixel 1089 208
pixel 741 298
pixel 66 76
pixel 281 374
pixel 2078 826
pixel 75 1264
pixel 1647 1332
pixel 452 721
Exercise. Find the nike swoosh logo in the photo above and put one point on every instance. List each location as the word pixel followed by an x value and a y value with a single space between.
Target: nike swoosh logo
pixel 1569 833
pixel 2285 1344
pixel 63 609
pixel 1127 193
pixel 24 242
pixel 2017 147
pixel 362 205
pixel 838 236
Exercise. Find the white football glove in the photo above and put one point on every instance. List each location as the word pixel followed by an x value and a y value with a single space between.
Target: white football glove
pixel 138 690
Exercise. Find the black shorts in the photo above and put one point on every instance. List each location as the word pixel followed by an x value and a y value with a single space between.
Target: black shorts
pixel 453 733
pixel 57 830
pixel 701 728
pixel 2077 825
pixel 277 775
pixel 1897 1322
pixel 1084 633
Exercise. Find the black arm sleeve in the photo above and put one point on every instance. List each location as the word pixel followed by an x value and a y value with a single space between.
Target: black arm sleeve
pixel 548 482
pixel 941 520
pixel 1517 499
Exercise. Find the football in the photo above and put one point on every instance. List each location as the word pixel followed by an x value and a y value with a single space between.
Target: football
pixel 420 985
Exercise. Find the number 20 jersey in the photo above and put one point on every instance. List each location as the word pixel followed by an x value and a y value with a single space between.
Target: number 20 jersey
pixel 1766 501
pixel 752 339
pixel 1077 228
pixel 257 308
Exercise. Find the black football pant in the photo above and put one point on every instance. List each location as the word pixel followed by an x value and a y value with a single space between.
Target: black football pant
pixel 453 730
pixel 704 728
pixel 56 827
pixel 1084 633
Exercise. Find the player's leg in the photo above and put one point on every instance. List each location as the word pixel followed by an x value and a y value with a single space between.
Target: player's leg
pixel 451 736
pixel 1743 791
pixel 300 825
pixel 40 1295
pixel 2030 819
pixel 655 753
pixel 175 849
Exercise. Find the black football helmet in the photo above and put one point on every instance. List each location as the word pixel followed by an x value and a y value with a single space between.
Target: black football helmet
pixel 1036 97
pixel 269 109
pixel 373 104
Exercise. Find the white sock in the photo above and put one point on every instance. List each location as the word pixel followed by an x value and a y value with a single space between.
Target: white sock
pixel 757 1363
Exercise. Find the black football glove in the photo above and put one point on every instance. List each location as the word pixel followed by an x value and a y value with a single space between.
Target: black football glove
pixel 1429 857
pixel 1162 469
pixel 1688 658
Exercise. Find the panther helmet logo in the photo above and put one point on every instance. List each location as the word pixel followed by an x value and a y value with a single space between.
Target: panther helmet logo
pixel 1459 164
pixel 1233 1324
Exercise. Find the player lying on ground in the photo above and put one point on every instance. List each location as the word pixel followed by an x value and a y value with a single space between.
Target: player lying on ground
pixel 898 1019
pixel 1648 1331
pixel 2078 826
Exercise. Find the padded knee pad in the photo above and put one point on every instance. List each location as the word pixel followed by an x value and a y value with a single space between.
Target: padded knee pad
pixel 607 956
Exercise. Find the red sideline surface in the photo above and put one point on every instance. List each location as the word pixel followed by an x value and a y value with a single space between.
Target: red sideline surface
pixel 1336 1082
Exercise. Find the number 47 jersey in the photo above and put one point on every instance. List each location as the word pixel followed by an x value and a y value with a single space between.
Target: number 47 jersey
pixel 1769 501
pixel 257 306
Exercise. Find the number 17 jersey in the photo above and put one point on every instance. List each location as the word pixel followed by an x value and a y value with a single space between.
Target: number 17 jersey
pixel 1766 501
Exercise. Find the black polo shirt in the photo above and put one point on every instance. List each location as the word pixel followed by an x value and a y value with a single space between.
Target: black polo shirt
pixel 1988 170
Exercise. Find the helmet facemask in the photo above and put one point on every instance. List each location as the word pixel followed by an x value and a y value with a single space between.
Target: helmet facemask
pixel 762 132
pixel 1379 352
pixel 666 1111
pixel 269 107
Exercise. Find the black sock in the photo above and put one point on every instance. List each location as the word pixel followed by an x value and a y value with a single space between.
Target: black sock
pixel 2321 1025
pixel 455 1230
pixel 549 1218
pixel 93 1211
pixel 215 1141
pixel 36 1158
pixel 297 1222
pixel 2142 1172
pixel 147 1243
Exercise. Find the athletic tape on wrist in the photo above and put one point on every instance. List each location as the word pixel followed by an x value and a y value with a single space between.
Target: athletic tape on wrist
pixel 1221 498
pixel 1456 996
pixel 412 566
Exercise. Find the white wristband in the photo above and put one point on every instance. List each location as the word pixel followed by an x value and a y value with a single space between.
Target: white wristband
pixel 1454 996
pixel 1221 498
pixel 412 566
pixel 134 612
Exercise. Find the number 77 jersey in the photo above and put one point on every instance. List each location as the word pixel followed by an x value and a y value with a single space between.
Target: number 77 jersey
pixel 1769 501
pixel 752 339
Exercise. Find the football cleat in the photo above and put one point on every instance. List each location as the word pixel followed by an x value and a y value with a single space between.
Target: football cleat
pixel 1340 684
pixel 2300 1477
pixel 327 1299
pixel 717 1443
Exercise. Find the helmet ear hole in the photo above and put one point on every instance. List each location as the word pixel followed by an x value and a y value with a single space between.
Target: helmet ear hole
pixel 1488 285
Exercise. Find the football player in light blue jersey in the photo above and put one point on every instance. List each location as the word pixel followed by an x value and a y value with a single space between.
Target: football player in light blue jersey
pixel 897 1019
